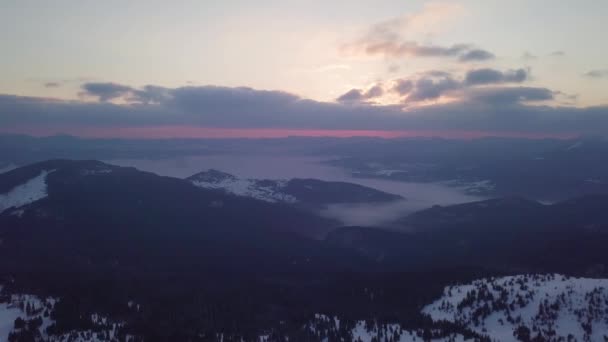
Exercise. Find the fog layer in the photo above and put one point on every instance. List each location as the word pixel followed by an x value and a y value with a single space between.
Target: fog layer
pixel 417 195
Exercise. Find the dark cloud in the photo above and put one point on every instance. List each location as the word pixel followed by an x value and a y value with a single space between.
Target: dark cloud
pixel 375 91
pixel 106 91
pixel 353 95
pixel 475 55
pixel 500 109
pixel 403 87
pixel 599 73
pixel 430 89
pixel 433 84
pixel 150 94
pixel 509 95
pixel 52 85
pixel 359 96
pixel 386 39
pixel 394 49
pixel 489 76
pixel 429 85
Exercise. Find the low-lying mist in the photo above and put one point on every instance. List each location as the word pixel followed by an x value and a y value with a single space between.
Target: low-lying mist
pixel 417 196
pixel 369 214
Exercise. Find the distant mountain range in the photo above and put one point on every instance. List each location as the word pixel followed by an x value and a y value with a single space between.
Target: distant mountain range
pixel 508 234
pixel 548 170
pixel 544 169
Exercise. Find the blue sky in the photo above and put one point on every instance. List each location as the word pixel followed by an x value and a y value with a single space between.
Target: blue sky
pixel 316 50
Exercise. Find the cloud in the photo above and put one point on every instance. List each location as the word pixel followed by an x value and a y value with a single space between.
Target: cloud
pixel 359 96
pixel 490 109
pixel 403 87
pixel 375 91
pixel 150 94
pixel 52 85
pixel 390 38
pixel 395 49
pixel 393 68
pixel 353 95
pixel 489 76
pixel 598 73
pixel 509 95
pixel 527 56
pixel 430 89
pixel 558 53
pixel 433 84
pixel 105 91
pixel 475 55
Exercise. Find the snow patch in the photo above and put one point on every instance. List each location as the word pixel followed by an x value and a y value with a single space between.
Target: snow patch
pixel 327 329
pixel 29 308
pixel 93 172
pixel 574 146
pixel 265 190
pixel 7 168
pixel 31 191
pixel 388 173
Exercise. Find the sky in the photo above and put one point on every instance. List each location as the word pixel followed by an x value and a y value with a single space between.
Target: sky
pixel 389 68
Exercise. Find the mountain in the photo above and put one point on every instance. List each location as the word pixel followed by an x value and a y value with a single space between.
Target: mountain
pixel 492 212
pixel 513 213
pixel 506 234
pixel 89 248
pixel 543 169
pixel 303 192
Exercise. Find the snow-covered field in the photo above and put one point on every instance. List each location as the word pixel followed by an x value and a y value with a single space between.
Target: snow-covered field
pixel 26 193
pixel 552 306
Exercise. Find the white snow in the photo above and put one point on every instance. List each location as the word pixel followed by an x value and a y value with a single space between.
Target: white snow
pixel 8 314
pixel 552 306
pixel 93 172
pixel 542 303
pixel 17 305
pixel 249 188
pixel 7 168
pixel 375 332
pixel 574 146
pixel 387 173
pixel 33 190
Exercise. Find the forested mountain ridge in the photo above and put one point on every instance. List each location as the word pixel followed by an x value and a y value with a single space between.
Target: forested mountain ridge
pixel 201 264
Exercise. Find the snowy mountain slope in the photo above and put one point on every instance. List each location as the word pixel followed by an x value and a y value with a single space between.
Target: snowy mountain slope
pixel 302 191
pixel 29 317
pixel 7 167
pixel 269 191
pixel 549 307
pixel 553 307
pixel 26 193
pixel 325 328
